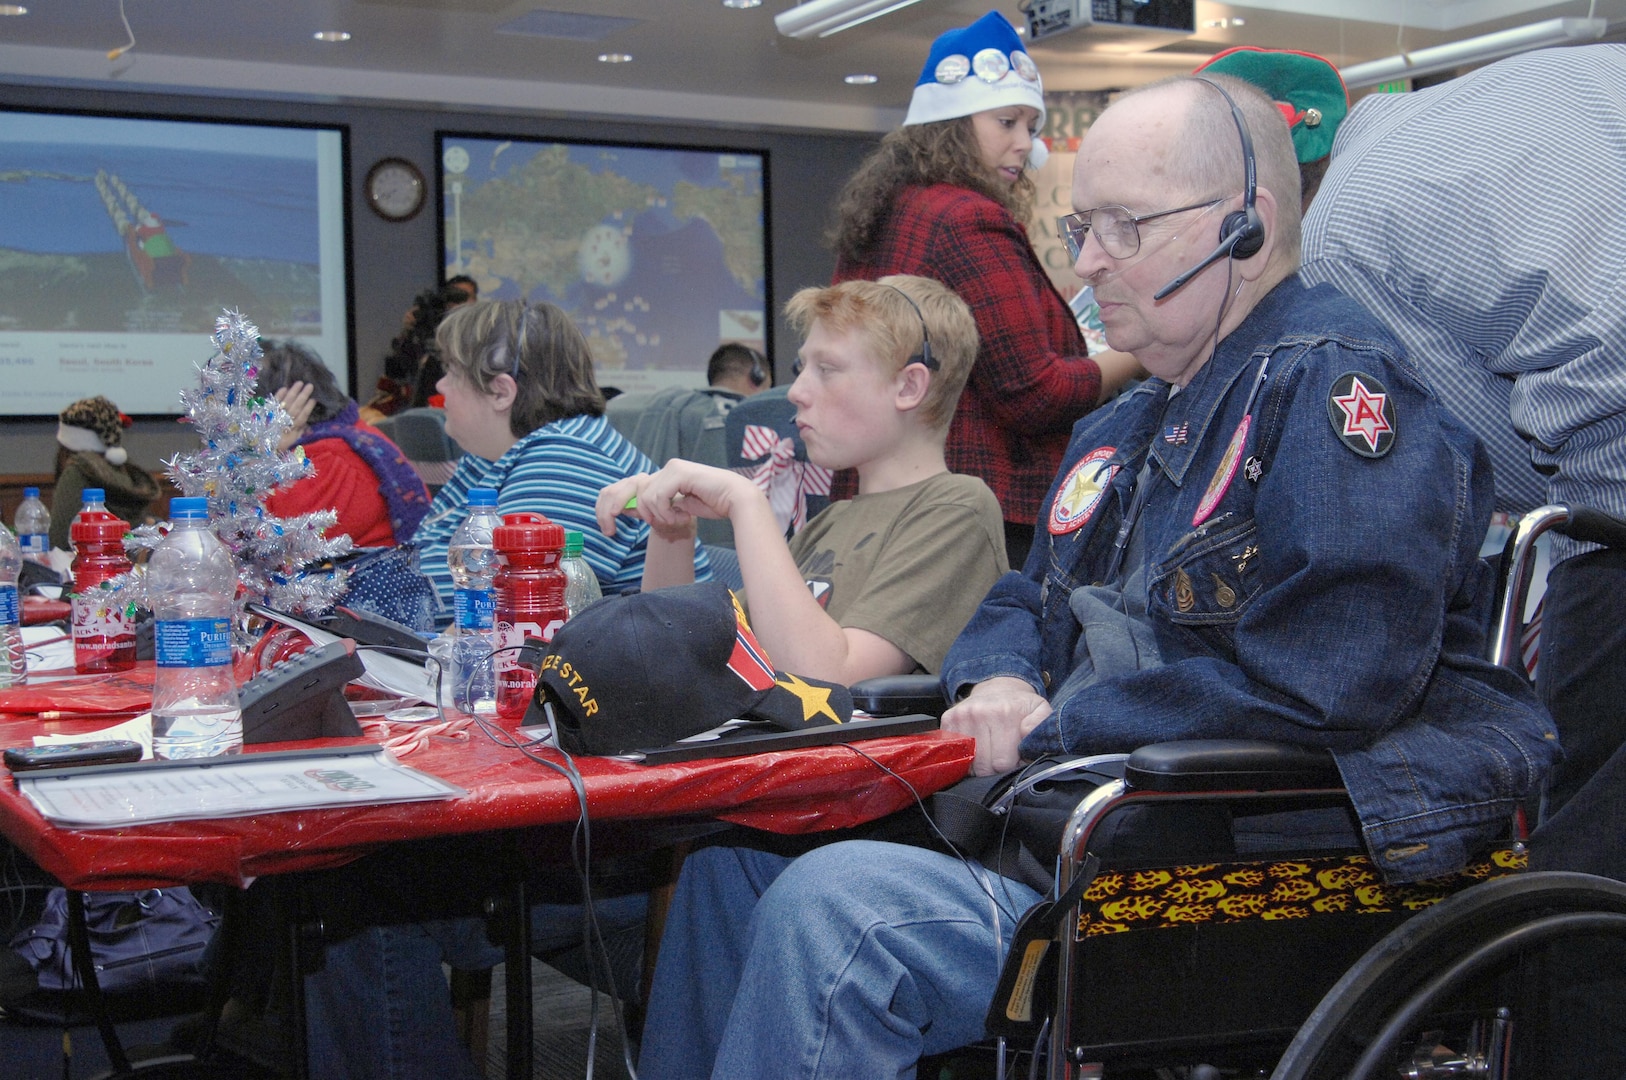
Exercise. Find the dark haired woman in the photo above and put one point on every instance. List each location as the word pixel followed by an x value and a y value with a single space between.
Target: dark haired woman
pixel 946 197
pixel 360 474
pixel 522 402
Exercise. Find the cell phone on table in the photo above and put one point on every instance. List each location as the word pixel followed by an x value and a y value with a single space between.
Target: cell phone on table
pixel 62 755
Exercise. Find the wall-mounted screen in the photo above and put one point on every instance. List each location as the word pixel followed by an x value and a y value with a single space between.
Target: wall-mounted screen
pixel 122 238
pixel 657 253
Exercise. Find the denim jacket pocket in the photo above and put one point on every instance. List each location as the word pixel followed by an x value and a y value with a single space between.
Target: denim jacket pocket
pixel 1208 580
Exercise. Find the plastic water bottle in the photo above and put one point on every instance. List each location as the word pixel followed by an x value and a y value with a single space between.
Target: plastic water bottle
pixel 473 563
pixel 34 527
pixel 13 660
pixel 581 584
pixel 193 583
pixel 530 590
pixel 103 626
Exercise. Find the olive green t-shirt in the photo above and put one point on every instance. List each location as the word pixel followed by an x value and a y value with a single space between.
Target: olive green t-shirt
pixel 910 565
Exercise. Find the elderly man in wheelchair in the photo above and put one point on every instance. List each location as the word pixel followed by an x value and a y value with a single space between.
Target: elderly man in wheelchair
pixel 1275 539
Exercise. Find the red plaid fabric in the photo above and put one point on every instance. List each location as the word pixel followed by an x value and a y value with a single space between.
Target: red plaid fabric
pixel 1032 379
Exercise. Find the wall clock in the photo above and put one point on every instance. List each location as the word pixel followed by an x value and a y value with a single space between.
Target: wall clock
pixel 395 189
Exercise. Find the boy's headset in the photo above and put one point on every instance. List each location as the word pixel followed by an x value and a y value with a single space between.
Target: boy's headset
pixel 924 356
pixel 1242 233
pixel 759 370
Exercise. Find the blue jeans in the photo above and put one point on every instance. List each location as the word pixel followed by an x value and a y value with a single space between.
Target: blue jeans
pixel 380 1009
pixel 852 960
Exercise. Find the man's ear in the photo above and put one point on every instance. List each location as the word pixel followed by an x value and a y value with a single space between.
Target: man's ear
pixel 1265 204
pixel 913 383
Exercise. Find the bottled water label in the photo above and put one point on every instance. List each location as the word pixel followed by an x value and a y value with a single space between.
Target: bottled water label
pixel 182 643
pixel 191 732
pixel 9 607
pixel 476 608
pixel 33 544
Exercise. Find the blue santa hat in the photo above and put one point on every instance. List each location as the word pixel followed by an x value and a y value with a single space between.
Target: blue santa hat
pixel 980 67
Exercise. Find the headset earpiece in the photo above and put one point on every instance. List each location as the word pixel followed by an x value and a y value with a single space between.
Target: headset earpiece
pixel 924 356
pixel 1243 230
pixel 759 370
pixel 1242 233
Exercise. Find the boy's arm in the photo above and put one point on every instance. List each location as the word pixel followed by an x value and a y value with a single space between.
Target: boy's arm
pixel 669 551
pixel 796 631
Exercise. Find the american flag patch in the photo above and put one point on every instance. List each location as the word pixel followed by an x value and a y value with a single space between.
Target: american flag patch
pixel 1176 433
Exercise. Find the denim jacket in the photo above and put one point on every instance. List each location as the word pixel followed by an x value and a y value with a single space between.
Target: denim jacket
pixel 1312 574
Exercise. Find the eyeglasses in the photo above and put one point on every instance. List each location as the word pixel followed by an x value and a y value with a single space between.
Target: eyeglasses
pixel 1116 229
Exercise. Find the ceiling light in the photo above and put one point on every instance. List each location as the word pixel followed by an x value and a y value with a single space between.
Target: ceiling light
pixel 1475 50
pixel 614 58
pixel 332 35
pixel 861 80
pixel 741 5
pixel 13 9
pixel 821 18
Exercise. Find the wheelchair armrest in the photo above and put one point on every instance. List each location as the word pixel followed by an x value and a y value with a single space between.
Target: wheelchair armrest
pixel 1594 526
pixel 1230 765
pixel 898 695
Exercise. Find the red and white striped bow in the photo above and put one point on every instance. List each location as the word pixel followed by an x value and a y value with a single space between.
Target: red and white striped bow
pixel 786 482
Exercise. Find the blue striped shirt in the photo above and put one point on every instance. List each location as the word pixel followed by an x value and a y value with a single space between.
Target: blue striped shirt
pixel 557 470
pixel 1482 221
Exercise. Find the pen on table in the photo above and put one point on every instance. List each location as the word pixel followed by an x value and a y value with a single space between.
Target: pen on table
pixel 125 714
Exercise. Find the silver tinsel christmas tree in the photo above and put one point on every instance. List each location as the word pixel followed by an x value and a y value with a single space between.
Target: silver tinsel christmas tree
pixel 279 560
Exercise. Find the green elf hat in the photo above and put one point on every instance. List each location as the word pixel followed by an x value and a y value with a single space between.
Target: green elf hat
pixel 1306 87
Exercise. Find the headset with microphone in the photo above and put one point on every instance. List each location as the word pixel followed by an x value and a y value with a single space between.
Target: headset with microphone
pixel 759 369
pixel 924 356
pixel 1242 233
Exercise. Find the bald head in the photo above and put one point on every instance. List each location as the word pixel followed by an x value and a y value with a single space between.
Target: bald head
pixel 1202 155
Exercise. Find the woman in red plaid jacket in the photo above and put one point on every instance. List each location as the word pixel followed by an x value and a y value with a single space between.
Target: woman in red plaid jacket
pixel 944 197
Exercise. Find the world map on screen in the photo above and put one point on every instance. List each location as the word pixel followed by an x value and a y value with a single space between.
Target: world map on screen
pixel 656 253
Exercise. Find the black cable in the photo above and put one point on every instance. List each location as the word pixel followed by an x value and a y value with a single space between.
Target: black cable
pixel 971 866
pixel 581 847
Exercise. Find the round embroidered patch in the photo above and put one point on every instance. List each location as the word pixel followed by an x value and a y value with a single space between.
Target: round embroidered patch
pixel 1362 414
pixel 1080 493
pixel 1220 482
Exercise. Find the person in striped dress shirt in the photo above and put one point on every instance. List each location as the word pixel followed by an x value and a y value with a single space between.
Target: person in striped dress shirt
pixel 1481 220
pixel 522 401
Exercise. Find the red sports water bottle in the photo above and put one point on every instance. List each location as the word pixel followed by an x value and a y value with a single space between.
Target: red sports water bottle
pixel 103 629
pixel 530 600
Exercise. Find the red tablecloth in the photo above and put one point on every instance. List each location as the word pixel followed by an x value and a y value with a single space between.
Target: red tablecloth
pixel 797 791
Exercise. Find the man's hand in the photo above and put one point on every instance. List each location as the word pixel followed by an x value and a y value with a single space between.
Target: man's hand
pixel 998 713
pixel 296 397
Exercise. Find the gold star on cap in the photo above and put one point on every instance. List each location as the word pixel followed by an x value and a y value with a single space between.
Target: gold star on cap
pixel 815 699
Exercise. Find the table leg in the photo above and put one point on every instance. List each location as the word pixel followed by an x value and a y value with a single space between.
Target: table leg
pixel 301 938
pixel 517 973
pixel 85 967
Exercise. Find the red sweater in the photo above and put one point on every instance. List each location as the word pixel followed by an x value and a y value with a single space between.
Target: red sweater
pixel 343 482
pixel 1032 379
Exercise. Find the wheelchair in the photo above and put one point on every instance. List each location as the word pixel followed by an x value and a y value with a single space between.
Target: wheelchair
pixel 1293 960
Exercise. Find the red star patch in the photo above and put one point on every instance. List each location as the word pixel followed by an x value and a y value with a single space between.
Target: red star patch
pixel 1362 414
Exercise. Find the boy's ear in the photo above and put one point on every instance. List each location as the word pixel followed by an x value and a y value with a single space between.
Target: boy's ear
pixel 914 381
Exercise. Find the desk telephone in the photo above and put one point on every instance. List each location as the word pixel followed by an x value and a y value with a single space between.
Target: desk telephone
pixel 302 697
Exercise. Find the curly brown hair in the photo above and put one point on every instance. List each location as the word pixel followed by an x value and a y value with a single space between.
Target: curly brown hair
pixel 943 152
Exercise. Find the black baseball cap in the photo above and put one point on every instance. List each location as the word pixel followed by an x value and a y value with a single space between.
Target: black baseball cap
pixel 648 669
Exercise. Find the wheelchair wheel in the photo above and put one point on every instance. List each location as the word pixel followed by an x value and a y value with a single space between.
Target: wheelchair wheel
pixel 1404 982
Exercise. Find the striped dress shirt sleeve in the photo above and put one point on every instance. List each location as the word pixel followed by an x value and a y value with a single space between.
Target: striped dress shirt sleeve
pixel 1481 220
